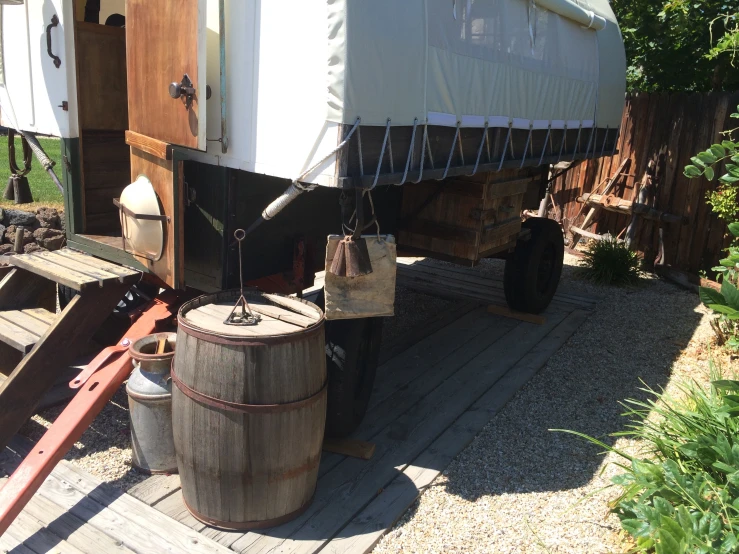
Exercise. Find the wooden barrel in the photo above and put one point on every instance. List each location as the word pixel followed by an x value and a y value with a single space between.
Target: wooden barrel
pixel 249 409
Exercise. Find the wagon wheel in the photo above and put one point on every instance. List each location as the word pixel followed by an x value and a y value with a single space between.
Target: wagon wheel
pixel 352 356
pixel 533 271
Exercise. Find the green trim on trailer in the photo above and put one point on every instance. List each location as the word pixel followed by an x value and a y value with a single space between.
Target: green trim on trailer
pixel 178 158
pixel 106 252
pixel 73 210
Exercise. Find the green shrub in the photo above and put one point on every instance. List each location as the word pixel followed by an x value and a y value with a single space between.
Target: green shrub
pixel 609 262
pixel 726 302
pixel 723 199
pixel 683 498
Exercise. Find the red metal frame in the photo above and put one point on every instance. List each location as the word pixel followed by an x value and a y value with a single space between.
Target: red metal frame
pixel 77 416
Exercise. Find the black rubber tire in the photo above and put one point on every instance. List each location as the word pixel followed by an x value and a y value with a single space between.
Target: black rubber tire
pixel 352 357
pixel 533 271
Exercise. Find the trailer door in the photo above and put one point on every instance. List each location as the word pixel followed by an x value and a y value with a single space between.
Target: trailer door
pixel 165 58
pixel 165 61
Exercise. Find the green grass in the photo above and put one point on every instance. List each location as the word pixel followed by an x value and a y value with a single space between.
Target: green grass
pixel 43 188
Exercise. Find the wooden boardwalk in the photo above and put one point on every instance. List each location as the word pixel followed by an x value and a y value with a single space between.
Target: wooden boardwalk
pixel 429 402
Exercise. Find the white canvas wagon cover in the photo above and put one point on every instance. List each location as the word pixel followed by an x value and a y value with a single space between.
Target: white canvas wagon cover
pixel 554 70
pixel 526 62
pixel 299 74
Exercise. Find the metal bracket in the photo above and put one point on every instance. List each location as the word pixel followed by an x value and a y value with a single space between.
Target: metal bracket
pixel 98 362
pixel 183 88
pixel 148 217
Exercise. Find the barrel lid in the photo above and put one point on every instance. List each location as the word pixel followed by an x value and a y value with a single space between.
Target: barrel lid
pixel 281 315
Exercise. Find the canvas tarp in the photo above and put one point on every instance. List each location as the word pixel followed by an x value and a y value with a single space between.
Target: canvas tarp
pixel 523 63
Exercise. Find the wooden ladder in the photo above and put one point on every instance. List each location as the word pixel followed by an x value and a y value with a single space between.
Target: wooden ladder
pixel 48 341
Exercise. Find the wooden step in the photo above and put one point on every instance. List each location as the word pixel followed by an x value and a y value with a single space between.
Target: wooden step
pixel 47 341
pixel 74 269
pixel 22 329
pixel 60 393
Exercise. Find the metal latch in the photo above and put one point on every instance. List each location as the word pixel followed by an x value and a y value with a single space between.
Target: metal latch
pixel 183 88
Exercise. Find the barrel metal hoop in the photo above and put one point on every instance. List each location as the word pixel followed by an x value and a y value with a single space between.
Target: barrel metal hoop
pixel 267 340
pixel 246 408
pixel 249 525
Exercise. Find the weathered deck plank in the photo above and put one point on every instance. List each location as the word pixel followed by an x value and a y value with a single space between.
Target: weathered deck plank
pixel 174 506
pixel 430 401
pixel 74 530
pixel 10 545
pixel 366 529
pixel 120 516
pixel 155 488
pixel 474 277
pixel 352 484
pixel 32 533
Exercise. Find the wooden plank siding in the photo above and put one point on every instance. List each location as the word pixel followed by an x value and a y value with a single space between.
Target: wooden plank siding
pixel 678 126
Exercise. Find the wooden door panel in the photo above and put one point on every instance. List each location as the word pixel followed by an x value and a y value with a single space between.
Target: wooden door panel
pixel 101 77
pixel 167 179
pixel 165 40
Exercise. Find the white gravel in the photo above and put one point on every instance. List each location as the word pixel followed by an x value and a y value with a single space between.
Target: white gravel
pixel 520 487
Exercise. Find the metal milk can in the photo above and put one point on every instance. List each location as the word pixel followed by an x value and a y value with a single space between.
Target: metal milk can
pixel 150 404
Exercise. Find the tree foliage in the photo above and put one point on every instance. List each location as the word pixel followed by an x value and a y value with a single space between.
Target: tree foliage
pixel 680 45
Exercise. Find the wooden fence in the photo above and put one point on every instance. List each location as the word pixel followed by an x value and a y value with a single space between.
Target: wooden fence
pixel 676 126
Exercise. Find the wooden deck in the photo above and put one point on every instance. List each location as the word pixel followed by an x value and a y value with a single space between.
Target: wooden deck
pixel 429 402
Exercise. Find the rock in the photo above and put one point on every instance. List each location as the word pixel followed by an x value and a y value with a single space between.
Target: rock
pixel 2 232
pixel 19 217
pixel 33 247
pixel 48 218
pixel 51 239
pixel 10 235
pixel 52 243
pixel 5 249
pixel 46 233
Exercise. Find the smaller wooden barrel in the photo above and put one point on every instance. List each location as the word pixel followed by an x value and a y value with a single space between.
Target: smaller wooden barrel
pixel 249 409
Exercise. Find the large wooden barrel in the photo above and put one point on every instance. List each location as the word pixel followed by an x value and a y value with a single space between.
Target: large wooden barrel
pixel 249 408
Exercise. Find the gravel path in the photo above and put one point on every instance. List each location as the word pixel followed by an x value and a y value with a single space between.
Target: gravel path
pixel 522 488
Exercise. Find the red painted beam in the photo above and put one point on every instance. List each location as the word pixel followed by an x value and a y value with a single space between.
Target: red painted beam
pixel 77 417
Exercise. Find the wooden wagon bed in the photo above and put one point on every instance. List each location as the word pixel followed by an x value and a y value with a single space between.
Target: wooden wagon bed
pixel 429 402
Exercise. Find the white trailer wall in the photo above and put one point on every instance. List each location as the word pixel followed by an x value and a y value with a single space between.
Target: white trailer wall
pixel 35 91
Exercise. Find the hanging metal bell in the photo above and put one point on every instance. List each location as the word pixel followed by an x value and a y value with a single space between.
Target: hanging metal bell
pixel 22 190
pixel 357 258
pixel 352 258
pixel 9 193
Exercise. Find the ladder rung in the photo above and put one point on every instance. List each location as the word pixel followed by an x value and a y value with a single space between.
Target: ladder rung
pixel 22 329
pixel 73 269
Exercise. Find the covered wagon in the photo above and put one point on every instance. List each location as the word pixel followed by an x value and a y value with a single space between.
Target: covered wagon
pixel 286 117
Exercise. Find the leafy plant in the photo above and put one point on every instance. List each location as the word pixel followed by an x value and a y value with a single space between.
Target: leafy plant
pixel 683 498
pixel 679 45
pixel 725 303
pixel 723 200
pixel 610 262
